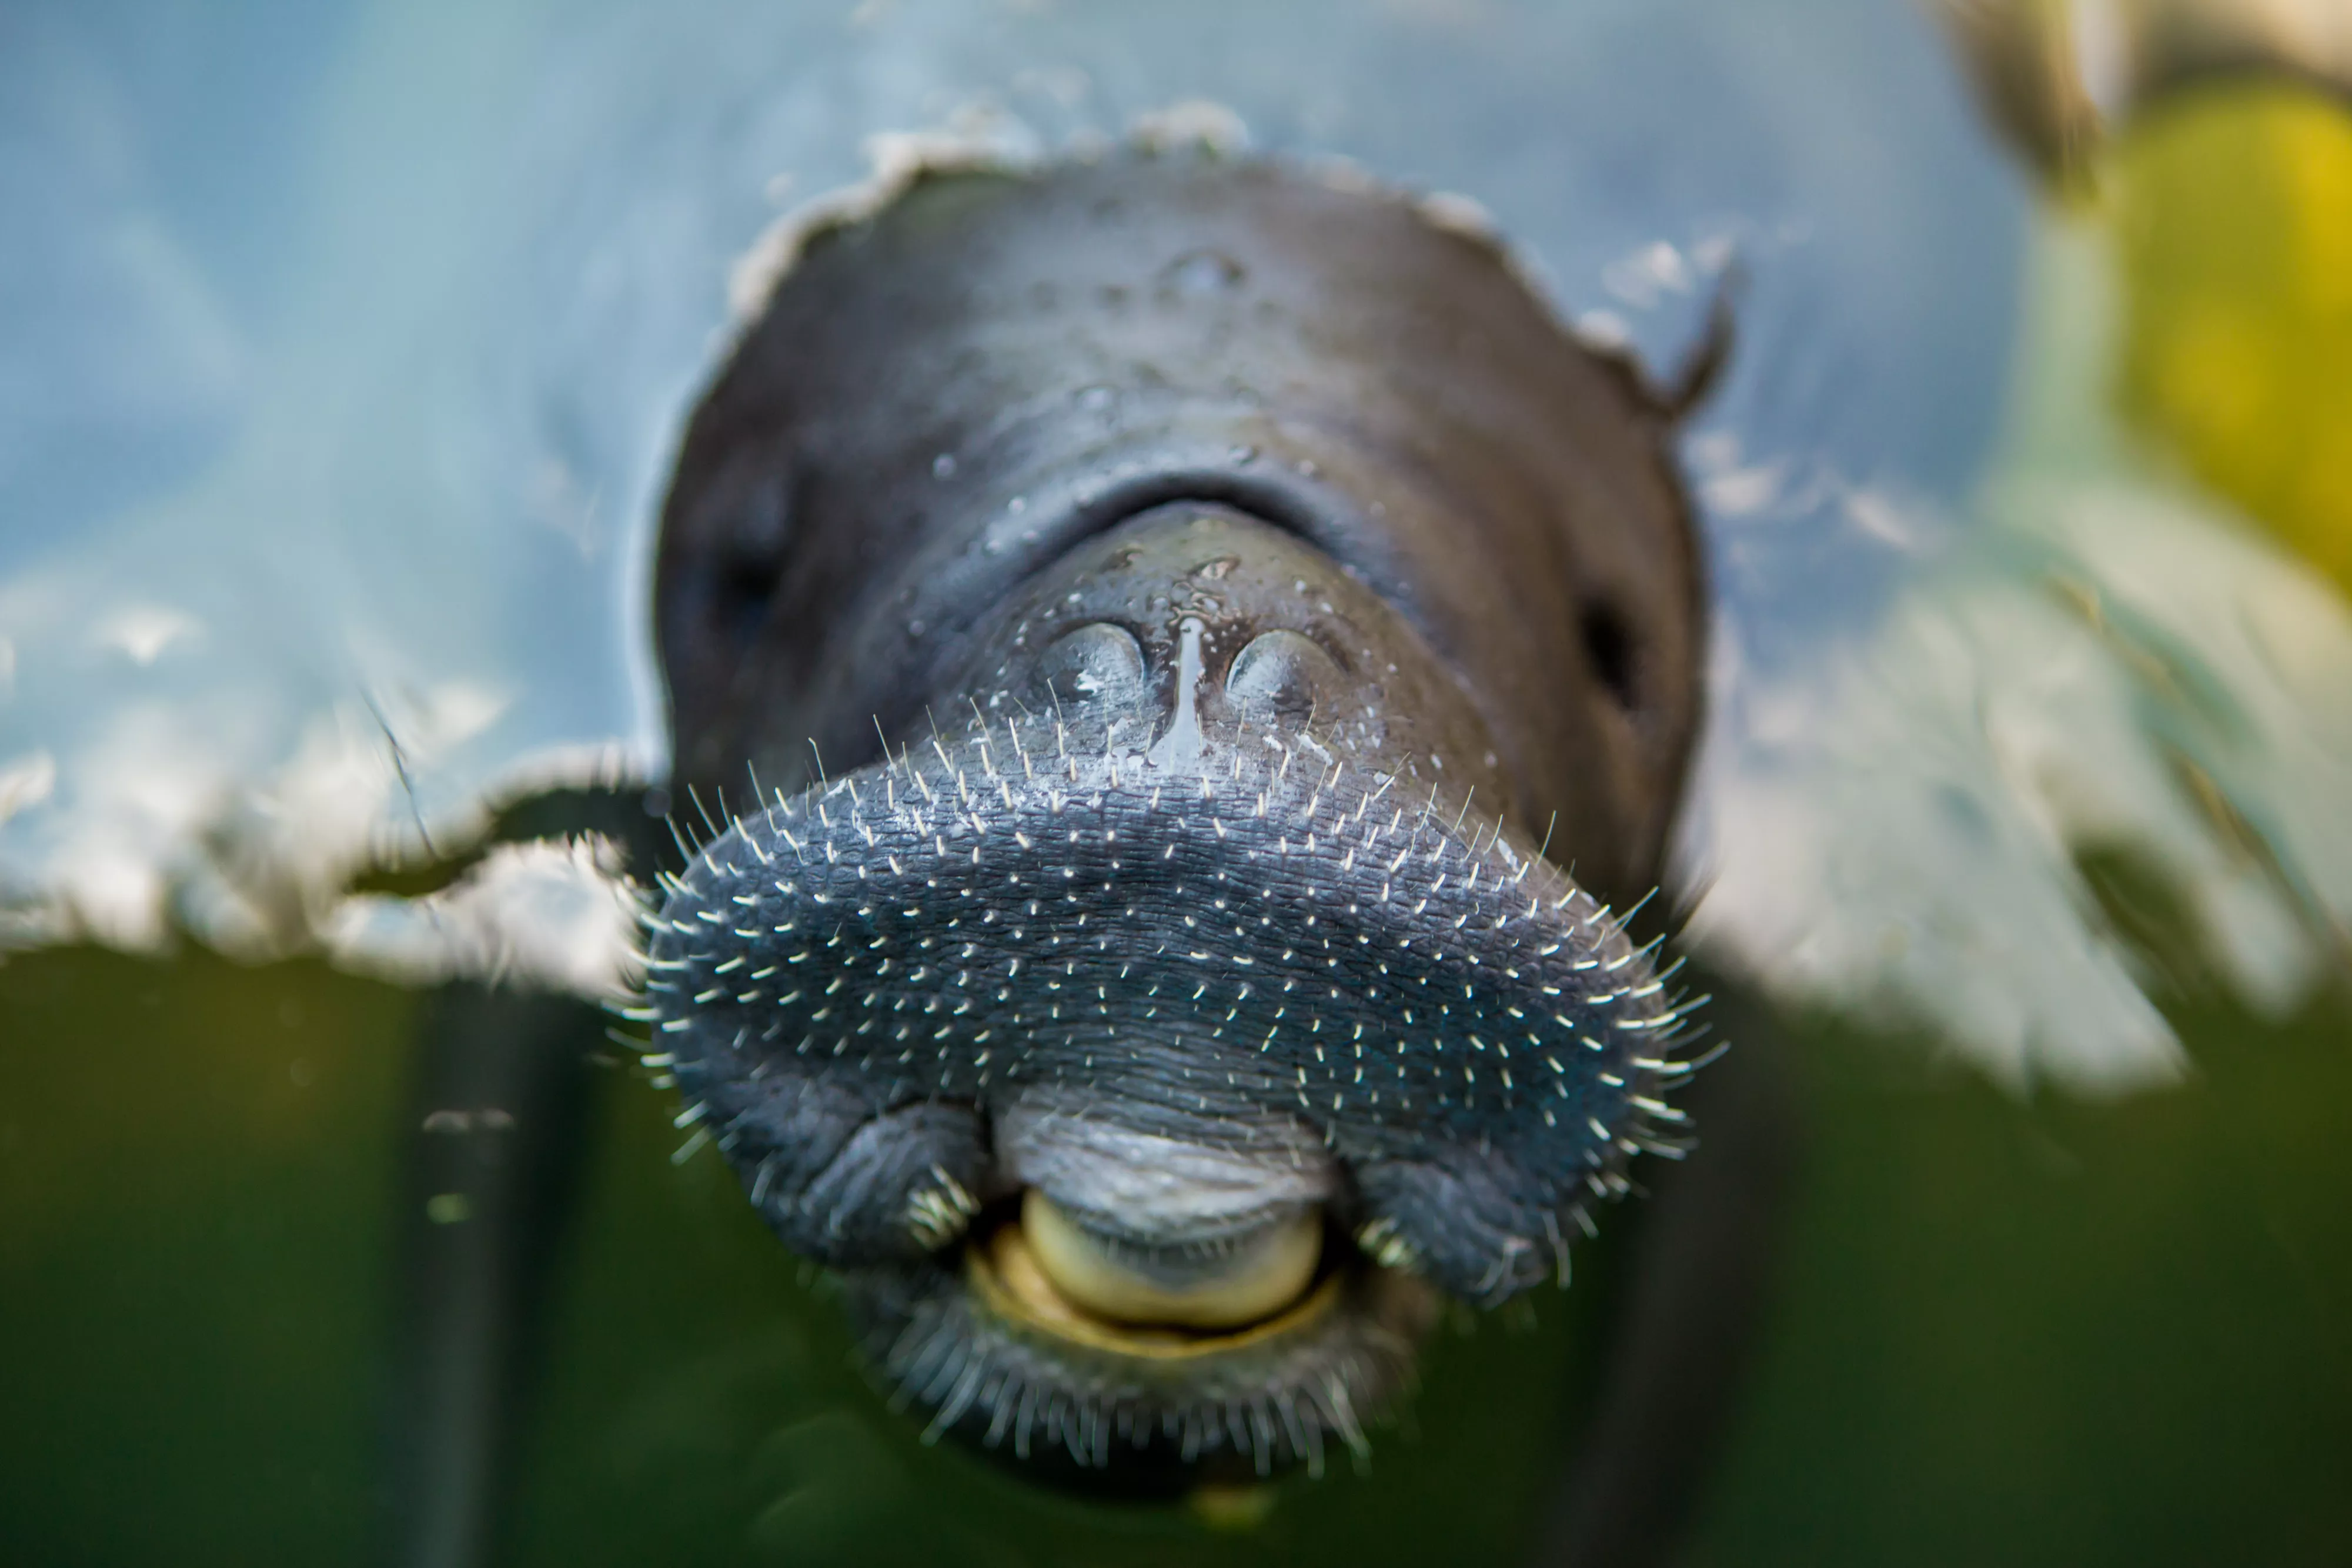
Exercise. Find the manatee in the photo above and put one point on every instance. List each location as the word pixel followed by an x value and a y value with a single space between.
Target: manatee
pixel 1189 668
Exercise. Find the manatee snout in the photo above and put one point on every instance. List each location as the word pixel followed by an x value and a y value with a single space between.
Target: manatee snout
pixel 1193 867
pixel 1173 995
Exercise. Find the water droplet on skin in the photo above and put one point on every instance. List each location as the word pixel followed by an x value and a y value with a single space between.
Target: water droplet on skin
pixel 1097 397
pixel 1306 468
pixel 1202 272
pixel 1238 455
pixel 943 467
pixel 1018 505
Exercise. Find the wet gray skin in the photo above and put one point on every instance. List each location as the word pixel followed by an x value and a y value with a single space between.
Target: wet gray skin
pixel 1253 655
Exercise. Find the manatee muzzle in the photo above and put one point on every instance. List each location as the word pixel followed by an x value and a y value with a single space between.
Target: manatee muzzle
pixel 1198 969
pixel 1152 1033
pixel 861 985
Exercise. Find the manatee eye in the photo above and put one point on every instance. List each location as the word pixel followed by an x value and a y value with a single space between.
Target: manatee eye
pixel 1281 676
pixel 1098 663
pixel 1609 644
pixel 1220 1284
pixel 748 522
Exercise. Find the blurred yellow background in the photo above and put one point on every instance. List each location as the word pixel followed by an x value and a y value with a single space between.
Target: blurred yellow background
pixel 2233 210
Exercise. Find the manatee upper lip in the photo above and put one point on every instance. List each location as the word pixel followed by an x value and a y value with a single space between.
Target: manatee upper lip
pixel 1437 1005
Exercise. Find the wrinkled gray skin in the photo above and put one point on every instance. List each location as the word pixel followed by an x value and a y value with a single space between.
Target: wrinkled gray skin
pixel 1224 606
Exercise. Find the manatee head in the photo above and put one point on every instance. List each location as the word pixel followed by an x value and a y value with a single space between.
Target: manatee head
pixel 1169 995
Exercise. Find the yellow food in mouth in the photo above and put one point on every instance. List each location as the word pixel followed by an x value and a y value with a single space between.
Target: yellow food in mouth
pixel 1260 1276
pixel 1043 1271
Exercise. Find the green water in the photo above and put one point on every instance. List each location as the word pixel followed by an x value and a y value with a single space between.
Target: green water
pixel 2024 1334
pixel 198 1161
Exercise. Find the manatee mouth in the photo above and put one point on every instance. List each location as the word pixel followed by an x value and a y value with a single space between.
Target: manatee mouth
pixel 1144 1097
pixel 998 1348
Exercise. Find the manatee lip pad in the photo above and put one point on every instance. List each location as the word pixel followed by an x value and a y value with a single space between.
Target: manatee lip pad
pixel 1184 882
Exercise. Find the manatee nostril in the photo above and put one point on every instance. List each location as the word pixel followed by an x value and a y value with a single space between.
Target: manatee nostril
pixel 1281 676
pixel 1609 644
pixel 1097 663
